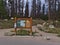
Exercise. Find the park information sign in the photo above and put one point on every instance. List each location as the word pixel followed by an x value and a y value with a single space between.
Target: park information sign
pixel 23 23
pixel 20 23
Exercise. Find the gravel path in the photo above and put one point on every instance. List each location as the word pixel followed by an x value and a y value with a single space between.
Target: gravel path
pixel 2 31
pixel 53 37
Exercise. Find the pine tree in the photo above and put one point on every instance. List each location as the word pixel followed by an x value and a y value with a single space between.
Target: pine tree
pixel 19 2
pixel 27 9
pixel 58 14
pixel 55 9
pixel 3 12
pixel 22 8
pixel 38 8
pixel 43 9
pixel 49 7
pixel 16 8
pixel 12 8
pixel 33 11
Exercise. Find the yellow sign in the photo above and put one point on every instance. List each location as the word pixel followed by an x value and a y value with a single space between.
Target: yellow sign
pixel 28 24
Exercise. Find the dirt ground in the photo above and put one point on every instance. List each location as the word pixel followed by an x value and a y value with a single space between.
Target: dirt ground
pixel 44 36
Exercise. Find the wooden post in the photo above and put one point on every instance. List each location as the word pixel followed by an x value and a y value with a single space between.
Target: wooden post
pixel 31 26
pixel 15 26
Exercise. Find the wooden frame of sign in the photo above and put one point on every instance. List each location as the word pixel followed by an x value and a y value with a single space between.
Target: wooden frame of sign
pixel 27 27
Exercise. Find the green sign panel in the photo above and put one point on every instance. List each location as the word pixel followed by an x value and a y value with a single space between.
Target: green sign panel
pixel 21 23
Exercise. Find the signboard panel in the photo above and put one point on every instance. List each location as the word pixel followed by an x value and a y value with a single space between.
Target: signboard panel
pixel 23 23
pixel 28 24
pixel 20 23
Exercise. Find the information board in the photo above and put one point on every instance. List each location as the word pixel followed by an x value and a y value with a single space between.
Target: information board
pixel 24 22
pixel 20 23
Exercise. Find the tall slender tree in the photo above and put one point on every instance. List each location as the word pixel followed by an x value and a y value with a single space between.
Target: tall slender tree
pixel 12 8
pixel 16 7
pixel 23 7
pixel 19 1
pixel 55 9
pixel 49 7
pixel 27 9
pixel 58 10
pixel 20 7
pixel 38 8
pixel 33 11
pixel 43 9
pixel 3 12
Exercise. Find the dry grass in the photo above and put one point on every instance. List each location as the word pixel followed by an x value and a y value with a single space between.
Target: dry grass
pixel 6 24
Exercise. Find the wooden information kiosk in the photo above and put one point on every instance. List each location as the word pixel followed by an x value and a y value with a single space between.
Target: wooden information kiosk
pixel 23 23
